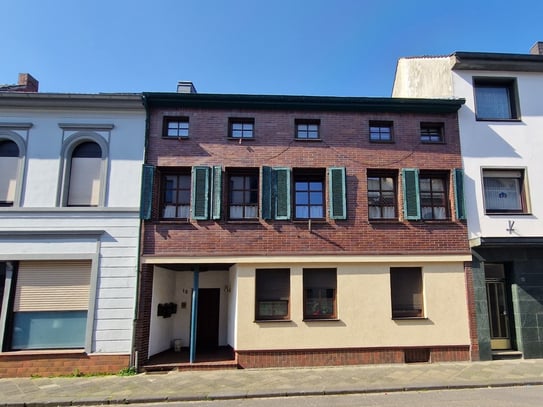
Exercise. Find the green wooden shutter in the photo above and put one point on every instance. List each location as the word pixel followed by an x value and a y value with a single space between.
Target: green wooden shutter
pixel 200 193
pixel 458 177
pixel 146 203
pixel 281 184
pixel 411 200
pixel 266 193
pixel 337 193
pixel 216 193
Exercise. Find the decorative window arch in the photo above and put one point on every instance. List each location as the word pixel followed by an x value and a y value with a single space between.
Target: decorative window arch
pixel 84 175
pixel 12 156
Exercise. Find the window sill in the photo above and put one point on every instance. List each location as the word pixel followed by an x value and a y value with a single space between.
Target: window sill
pixel 265 321
pixel 391 220
pixel 409 318
pixel 174 221
pixel 308 139
pixel 382 141
pixel 483 119
pixel 508 213
pixel 313 221
pixel 43 352
pixel 254 221
pixel 239 139
pixel 432 142
pixel 175 138
pixel 321 320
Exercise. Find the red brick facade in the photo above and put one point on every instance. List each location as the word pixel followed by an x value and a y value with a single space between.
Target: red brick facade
pixel 55 364
pixel 345 143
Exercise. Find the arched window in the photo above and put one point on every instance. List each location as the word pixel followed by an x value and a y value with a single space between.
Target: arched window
pixel 85 175
pixel 9 168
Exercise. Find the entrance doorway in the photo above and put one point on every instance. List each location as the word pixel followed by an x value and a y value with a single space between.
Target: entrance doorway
pixel 207 328
pixel 497 299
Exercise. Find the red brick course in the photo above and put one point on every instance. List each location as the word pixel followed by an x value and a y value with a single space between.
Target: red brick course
pixel 57 364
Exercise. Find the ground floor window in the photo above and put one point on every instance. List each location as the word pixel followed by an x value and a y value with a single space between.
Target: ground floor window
pixel 50 305
pixel 406 292
pixel 320 293
pixel 272 294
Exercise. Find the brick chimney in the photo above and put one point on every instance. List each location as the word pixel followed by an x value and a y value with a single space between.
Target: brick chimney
pixel 537 48
pixel 185 87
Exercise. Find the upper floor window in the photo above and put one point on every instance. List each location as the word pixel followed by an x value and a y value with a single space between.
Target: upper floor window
pixel 243 194
pixel 9 168
pixel 241 128
pixel 433 196
pixel 309 194
pixel 307 129
pixel 381 196
pixel 381 131
pixel 504 191
pixel 176 127
pixel 496 98
pixel 426 195
pixel 176 189
pixel 84 186
pixel 431 133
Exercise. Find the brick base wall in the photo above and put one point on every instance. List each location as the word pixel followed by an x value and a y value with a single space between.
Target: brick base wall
pixel 352 356
pixel 26 365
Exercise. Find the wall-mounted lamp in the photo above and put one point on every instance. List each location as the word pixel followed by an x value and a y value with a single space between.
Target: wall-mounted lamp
pixel 227 289
pixel 510 226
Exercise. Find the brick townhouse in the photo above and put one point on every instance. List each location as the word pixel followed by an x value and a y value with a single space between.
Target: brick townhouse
pixel 303 230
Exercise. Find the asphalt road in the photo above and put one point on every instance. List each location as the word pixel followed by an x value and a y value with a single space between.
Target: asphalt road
pixel 520 396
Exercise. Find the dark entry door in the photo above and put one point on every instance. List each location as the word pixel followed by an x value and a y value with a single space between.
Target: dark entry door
pixel 207 331
pixel 496 291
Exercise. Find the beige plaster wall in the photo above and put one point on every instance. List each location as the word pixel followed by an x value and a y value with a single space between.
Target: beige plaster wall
pixel 364 310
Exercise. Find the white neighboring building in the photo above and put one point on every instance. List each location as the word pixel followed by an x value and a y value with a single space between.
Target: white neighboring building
pixel 70 177
pixel 501 133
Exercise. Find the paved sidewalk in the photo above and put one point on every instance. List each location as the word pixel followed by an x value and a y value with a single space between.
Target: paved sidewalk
pixel 225 384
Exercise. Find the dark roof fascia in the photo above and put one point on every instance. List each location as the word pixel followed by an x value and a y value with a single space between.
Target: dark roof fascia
pixel 485 61
pixel 310 103
pixel 497 242
pixel 121 101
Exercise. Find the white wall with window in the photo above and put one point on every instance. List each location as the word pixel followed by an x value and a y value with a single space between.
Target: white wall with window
pixel 502 151
pixel 72 230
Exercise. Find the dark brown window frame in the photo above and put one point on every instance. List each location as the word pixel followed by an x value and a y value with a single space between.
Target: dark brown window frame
pixel 383 174
pixel 410 309
pixel 381 124
pixel 241 121
pixel 308 175
pixel 508 83
pixel 177 172
pixel 175 119
pixel 428 132
pixel 298 123
pixel 521 179
pixel 247 172
pixel 445 177
pixel 316 312
pixel 263 295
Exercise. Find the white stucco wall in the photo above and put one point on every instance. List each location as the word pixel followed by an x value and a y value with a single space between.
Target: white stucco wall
pixel 487 144
pixel 41 229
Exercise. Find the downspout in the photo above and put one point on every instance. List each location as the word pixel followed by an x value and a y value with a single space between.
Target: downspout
pixel 134 353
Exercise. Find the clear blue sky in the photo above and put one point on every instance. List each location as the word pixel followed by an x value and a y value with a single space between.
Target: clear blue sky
pixel 295 47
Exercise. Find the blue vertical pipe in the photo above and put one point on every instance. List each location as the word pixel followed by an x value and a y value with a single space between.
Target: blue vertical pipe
pixel 194 313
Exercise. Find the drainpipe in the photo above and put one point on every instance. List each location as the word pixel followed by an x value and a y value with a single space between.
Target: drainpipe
pixel 135 353
pixel 194 313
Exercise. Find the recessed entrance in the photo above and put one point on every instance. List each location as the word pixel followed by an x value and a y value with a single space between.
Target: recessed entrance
pixel 497 300
pixel 207 328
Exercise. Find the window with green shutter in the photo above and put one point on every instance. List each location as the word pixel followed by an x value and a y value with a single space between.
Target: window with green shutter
pixel 411 201
pixel 266 195
pixel 216 192
pixel 338 193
